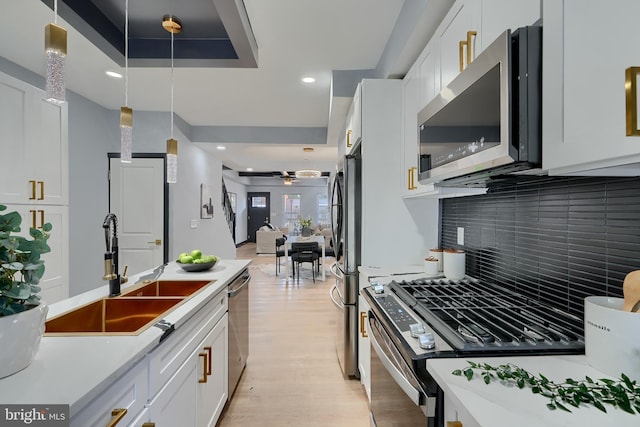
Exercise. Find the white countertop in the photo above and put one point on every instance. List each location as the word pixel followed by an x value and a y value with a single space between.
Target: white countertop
pixel 497 405
pixel 75 370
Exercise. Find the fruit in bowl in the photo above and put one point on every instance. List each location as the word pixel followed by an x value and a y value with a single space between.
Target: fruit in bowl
pixel 196 261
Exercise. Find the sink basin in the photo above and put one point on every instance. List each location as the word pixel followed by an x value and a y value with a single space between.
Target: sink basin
pixel 168 288
pixel 111 316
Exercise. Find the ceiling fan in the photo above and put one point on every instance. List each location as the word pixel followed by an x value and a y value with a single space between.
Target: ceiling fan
pixel 288 178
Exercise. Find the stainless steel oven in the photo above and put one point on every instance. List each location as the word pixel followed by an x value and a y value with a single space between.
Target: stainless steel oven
pixel 397 396
pixel 411 322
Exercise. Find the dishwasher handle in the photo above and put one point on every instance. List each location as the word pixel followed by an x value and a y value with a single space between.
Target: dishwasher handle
pixel 236 289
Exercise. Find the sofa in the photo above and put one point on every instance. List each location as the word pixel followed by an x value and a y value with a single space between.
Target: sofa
pixel 266 239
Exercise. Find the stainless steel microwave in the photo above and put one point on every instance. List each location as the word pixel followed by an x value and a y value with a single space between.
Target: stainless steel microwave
pixel 487 123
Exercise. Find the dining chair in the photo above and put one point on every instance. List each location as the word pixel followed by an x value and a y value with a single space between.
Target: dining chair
pixel 302 252
pixel 279 252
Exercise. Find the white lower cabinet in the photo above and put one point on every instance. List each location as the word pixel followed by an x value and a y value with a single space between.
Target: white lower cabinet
pixel 456 415
pixel 127 393
pixel 364 349
pixel 182 382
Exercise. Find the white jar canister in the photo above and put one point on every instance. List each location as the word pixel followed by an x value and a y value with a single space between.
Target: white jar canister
pixel 454 264
pixel 431 266
pixel 437 254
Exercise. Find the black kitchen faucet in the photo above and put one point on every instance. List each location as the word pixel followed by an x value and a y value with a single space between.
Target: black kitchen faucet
pixel 111 256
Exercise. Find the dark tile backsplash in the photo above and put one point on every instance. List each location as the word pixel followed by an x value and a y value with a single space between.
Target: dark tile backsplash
pixel 557 240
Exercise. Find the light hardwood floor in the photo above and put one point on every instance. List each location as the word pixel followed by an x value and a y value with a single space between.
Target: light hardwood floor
pixel 292 376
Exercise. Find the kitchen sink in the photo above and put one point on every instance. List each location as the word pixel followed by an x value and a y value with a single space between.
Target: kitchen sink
pixel 168 288
pixel 111 316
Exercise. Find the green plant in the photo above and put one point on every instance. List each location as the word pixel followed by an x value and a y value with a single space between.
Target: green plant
pixel 623 393
pixel 20 265
pixel 305 222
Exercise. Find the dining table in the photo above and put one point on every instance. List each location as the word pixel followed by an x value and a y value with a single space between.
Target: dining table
pixel 299 238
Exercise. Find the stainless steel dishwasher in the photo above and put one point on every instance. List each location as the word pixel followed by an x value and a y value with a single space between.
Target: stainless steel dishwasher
pixel 238 292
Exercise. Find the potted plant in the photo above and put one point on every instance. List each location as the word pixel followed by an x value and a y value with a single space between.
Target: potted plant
pixel 22 313
pixel 305 224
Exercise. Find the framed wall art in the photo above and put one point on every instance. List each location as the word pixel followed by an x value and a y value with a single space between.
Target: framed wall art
pixel 206 201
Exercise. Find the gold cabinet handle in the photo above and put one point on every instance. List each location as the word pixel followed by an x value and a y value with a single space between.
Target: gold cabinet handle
pixel 117 415
pixel 41 185
pixel 156 242
pixel 413 178
pixel 41 219
pixel 409 179
pixel 208 350
pixel 461 46
pixel 470 34
pixel 149 425
pixel 349 143
pixel 363 316
pixel 454 423
pixel 204 366
pixel 33 189
pixel 33 217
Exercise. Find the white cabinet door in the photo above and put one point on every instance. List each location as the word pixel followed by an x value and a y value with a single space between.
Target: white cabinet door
pixel 129 392
pixel 54 283
pixel 499 15
pixel 461 19
pixel 411 102
pixel 453 412
pixel 212 394
pixel 354 121
pixel 35 141
pixel 584 126
pixel 364 349
pixel 176 403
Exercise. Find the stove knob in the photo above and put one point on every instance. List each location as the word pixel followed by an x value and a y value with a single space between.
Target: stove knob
pixel 416 329
pixel 427 341
pixel 378 289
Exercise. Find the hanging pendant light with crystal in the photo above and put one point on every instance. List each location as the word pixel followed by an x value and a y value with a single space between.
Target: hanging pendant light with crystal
pixel 126 113
pixel 173 26
pixel 55 47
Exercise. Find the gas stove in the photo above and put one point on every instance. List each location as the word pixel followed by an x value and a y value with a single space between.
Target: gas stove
pixel 444 318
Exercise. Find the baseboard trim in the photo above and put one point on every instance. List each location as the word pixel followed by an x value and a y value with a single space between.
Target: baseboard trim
pixel 241 243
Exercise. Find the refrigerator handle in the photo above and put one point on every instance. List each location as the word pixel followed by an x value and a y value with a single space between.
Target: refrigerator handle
pixel 338 304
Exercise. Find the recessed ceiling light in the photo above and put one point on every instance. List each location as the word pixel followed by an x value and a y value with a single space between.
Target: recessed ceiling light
pixel 249 169
pixel 113 74
pixel 221 147
pixel 308 79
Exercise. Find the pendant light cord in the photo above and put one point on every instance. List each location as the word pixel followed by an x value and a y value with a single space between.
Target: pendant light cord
pixel 172 85
pixel 126 53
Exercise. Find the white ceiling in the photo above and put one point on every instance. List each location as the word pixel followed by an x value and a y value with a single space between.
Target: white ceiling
pixel 295 38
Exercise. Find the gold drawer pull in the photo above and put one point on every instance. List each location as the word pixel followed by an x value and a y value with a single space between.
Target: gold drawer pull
pixel 470 45
pixel 204 366
pixel 409 179
pixel 117 415
pixel 156 242
pixel 454 423
pixel 461 46
pixel 413 178
pixel 33 189
pixel 149 425
pixel 41 185
pixel 349 132
pixel 363 316
pixel 208 350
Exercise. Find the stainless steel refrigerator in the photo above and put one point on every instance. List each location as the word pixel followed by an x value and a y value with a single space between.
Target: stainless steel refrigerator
pixel 346 205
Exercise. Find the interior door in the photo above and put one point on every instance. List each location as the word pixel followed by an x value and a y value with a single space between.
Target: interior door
pixel 258 209
pixel 137 198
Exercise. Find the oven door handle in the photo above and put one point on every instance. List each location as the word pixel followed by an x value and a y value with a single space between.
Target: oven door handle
pixel 410 390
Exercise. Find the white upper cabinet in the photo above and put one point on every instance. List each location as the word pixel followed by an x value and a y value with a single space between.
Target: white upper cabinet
pixel 35 139
pixel 354 121
pixel 468 27
pixel 586 52
pixel 472 25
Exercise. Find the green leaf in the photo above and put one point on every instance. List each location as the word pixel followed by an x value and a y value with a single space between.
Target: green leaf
pixel 457 372
pixel 487 379
pixel 520 383
pixel 600 406
pixel 551 406
pixel 589 380
pixel 18 291
pixel 627 381
pixel 468 373
pixel 535 390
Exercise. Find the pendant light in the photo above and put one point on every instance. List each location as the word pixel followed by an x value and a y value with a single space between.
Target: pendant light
pixel 55 47
pixel 173 26
pixel 126 113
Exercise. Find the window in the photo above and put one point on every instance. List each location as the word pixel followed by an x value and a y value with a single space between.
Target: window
pixel 322 206
pixel 291 210
pixel 258 202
